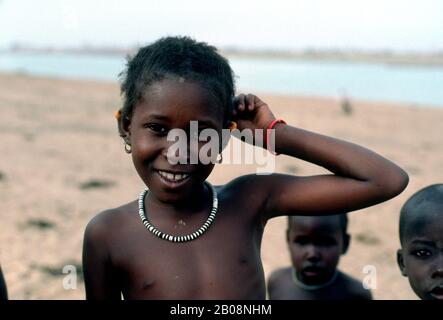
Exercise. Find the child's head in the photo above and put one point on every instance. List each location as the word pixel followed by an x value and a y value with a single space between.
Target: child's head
pixel 315 244
pixel 166 85
pixel 182 59
pixel 421 236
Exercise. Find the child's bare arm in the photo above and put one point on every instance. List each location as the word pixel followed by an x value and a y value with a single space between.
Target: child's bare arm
pixel 99 282
pixel 360 177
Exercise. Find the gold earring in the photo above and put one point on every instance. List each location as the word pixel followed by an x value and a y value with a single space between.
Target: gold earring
pixel 232 125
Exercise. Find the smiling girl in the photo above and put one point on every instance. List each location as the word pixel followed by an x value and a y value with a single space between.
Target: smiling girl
pixel 184 238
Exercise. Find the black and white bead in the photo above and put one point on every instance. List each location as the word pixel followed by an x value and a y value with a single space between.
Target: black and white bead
pixel 168 237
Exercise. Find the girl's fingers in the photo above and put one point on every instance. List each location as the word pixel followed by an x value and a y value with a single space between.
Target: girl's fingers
pixel 244 102
pixel 237 102
pixel 234 106
pixel 251 105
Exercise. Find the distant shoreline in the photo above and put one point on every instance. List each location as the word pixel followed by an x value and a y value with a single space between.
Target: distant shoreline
pixel 351 56
pixel 76 81
pixel 418 59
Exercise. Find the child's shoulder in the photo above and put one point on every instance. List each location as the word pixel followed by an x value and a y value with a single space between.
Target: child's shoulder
pixel 240 181
pixel 354 287
pixel 279 284
pixel 279 274
pixel 107 222
pixel 247 193
pixel 248 183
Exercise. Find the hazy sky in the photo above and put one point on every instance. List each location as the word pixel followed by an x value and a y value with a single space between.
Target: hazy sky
pixel 278 24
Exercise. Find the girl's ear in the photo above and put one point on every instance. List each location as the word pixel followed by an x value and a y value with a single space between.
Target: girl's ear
pixel 123 126
pixel 401 262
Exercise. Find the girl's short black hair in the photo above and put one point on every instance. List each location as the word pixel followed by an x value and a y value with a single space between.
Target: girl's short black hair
pixel 177 57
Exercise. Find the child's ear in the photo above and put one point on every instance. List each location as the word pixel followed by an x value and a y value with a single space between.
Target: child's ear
pixel 346 242
pixel 401 262
pixel 124 127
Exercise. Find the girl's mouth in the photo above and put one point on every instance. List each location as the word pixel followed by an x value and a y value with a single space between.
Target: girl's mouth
pixel 173 180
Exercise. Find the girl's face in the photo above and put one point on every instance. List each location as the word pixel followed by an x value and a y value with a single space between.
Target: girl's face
pixel 171 104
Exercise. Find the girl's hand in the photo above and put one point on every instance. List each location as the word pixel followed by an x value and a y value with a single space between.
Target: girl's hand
pixel 251 113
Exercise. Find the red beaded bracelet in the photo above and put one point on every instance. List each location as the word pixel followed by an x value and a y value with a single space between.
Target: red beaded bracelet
pixel 268 132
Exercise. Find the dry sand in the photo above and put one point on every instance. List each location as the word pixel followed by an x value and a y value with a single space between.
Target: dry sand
pixel 62 162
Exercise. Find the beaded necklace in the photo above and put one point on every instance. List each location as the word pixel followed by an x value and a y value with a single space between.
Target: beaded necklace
pixel 171 238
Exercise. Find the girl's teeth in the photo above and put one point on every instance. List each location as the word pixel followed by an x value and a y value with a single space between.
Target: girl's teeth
pixel 173 177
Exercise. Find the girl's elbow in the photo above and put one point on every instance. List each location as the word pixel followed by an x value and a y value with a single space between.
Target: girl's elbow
pixel 396 183
pixel 402 180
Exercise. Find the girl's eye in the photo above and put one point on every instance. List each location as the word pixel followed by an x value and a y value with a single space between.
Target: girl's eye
pixel 157 128
pixel 422 253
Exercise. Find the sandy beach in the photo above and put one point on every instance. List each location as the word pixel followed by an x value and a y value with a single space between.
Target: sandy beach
pixel 62 162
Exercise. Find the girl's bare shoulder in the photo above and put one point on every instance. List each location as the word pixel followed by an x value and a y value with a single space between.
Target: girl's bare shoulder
pixel 110 221
pixel 252 187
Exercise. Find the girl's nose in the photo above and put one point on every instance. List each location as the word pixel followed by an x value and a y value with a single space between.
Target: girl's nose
pixel 193 150
pixel 182 151
pixel 175 153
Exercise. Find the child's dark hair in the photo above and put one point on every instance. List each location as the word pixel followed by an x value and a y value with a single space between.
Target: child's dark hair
pixel 343 221
pixel 177 57
pixel 416 205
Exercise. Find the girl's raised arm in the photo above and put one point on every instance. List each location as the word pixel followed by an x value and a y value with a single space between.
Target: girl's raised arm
pixel 360 177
